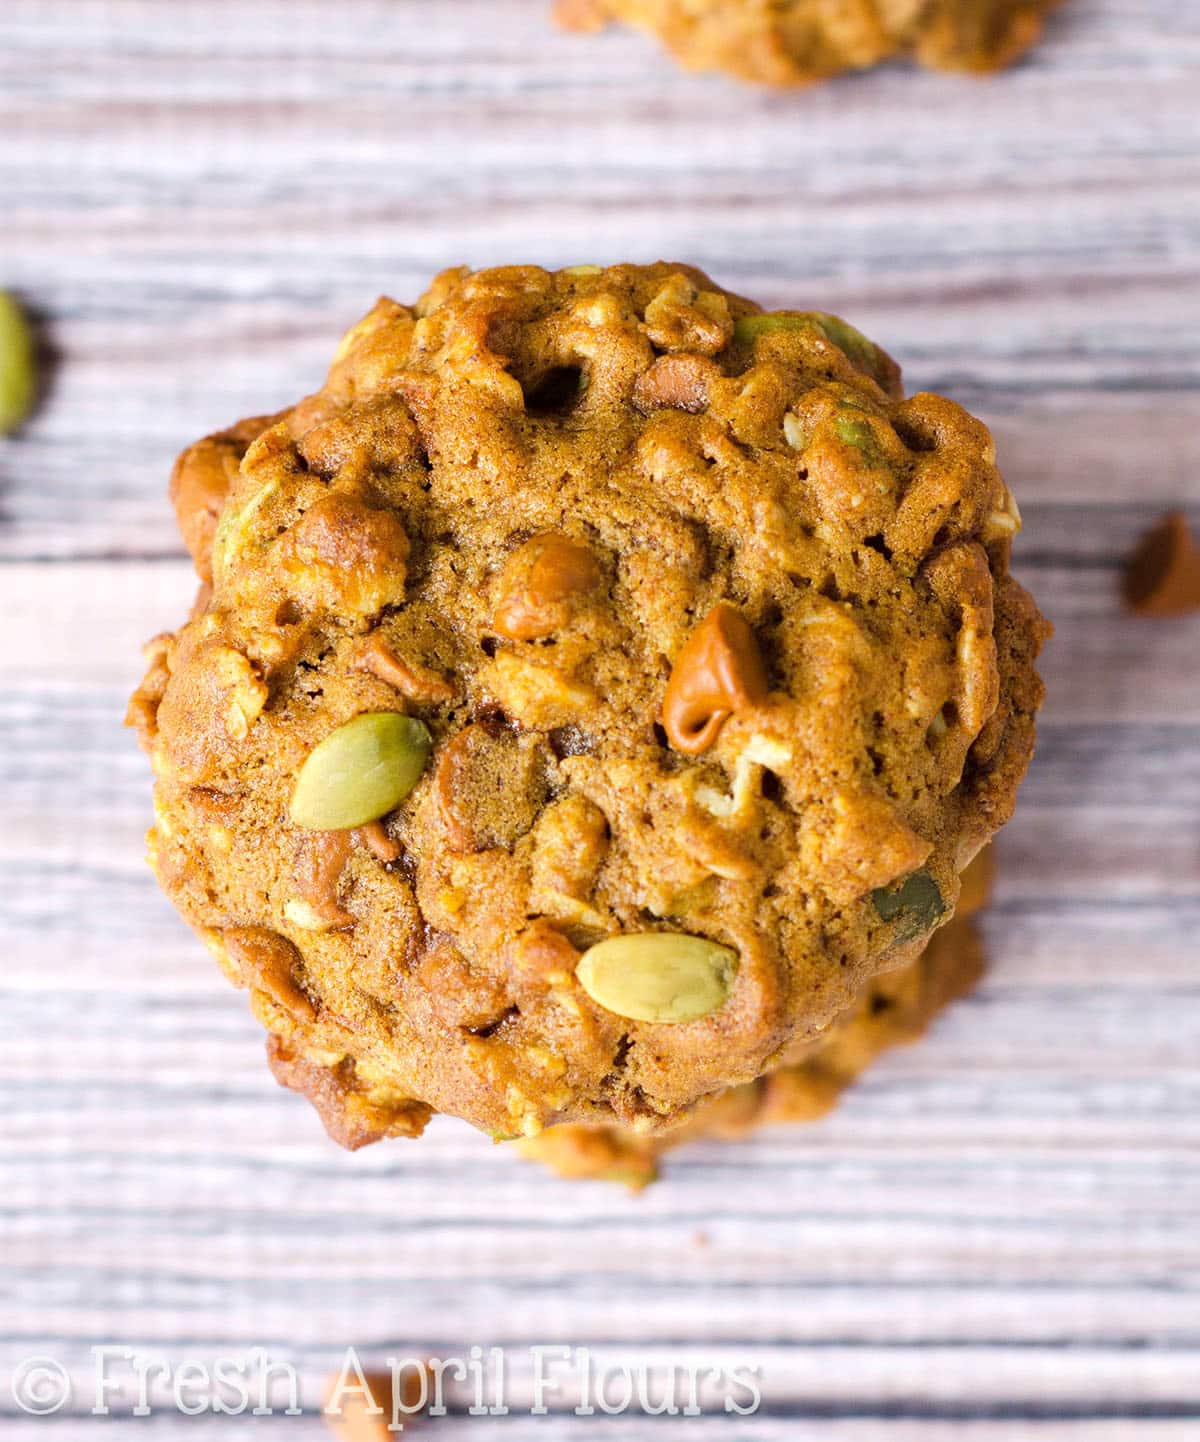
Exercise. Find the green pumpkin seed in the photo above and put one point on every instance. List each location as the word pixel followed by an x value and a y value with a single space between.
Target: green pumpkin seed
pixel 916 904
pixel 234 526
pixel 18 373
pixel 748 328
pixel 862 353
pixel 360 772
pixel 849 340
pixel 658 976
pixel 854 432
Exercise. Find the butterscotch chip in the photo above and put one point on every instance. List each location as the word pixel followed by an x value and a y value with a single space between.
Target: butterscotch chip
pixel 718 671
pixel 577 608
pixel 374 836
pixel 541 584
pixel 352 1111
pixel 352 1416
pixel 490 786
pixel 268 962
pixel 795 42
pixel 321 858
pixel 1163 575
pixel 346 556
pixel 411 678
pixel 678 381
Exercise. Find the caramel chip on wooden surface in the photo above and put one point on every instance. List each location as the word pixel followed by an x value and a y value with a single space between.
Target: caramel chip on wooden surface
pixel 1163 575
pixel 353 1417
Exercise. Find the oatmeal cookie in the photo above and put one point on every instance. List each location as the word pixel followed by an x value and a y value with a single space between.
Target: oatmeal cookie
pixel 795 42
pixel 894 1009
pixel 600 682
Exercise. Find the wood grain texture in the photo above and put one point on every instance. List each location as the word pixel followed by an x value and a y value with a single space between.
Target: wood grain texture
pixel 995 1237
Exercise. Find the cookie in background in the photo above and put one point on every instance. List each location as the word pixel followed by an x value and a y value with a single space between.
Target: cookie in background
pixel 796 42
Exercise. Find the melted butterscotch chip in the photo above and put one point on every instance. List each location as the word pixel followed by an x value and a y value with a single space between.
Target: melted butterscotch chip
pixel 142 711
pixel 490 786
pixel 351 1110
pixel 680 382
pixel 410 678
pixel 268 963
pixel 347 556
pixel 611 607
pixel 719 671
pixel 795 42
pixel 321 858
pixel 374 836
pixel 460 995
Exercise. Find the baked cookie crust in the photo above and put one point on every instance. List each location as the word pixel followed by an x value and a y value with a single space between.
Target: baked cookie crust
pixel 653 615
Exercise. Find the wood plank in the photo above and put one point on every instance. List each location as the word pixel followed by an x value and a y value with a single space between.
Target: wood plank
pixel 786 1428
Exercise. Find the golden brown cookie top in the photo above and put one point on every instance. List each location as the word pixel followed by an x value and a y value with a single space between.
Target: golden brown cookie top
pixel 601 604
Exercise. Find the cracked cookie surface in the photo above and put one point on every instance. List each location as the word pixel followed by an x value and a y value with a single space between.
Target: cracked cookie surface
pixel 796 42
pixel 702 628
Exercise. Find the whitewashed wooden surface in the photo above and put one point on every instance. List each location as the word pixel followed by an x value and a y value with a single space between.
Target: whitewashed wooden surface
pixel 996 1237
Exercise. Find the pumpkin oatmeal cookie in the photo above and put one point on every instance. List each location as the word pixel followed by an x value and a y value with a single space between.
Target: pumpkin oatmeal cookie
pixel 795 42
pixel 893 1009
pixel 599 682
